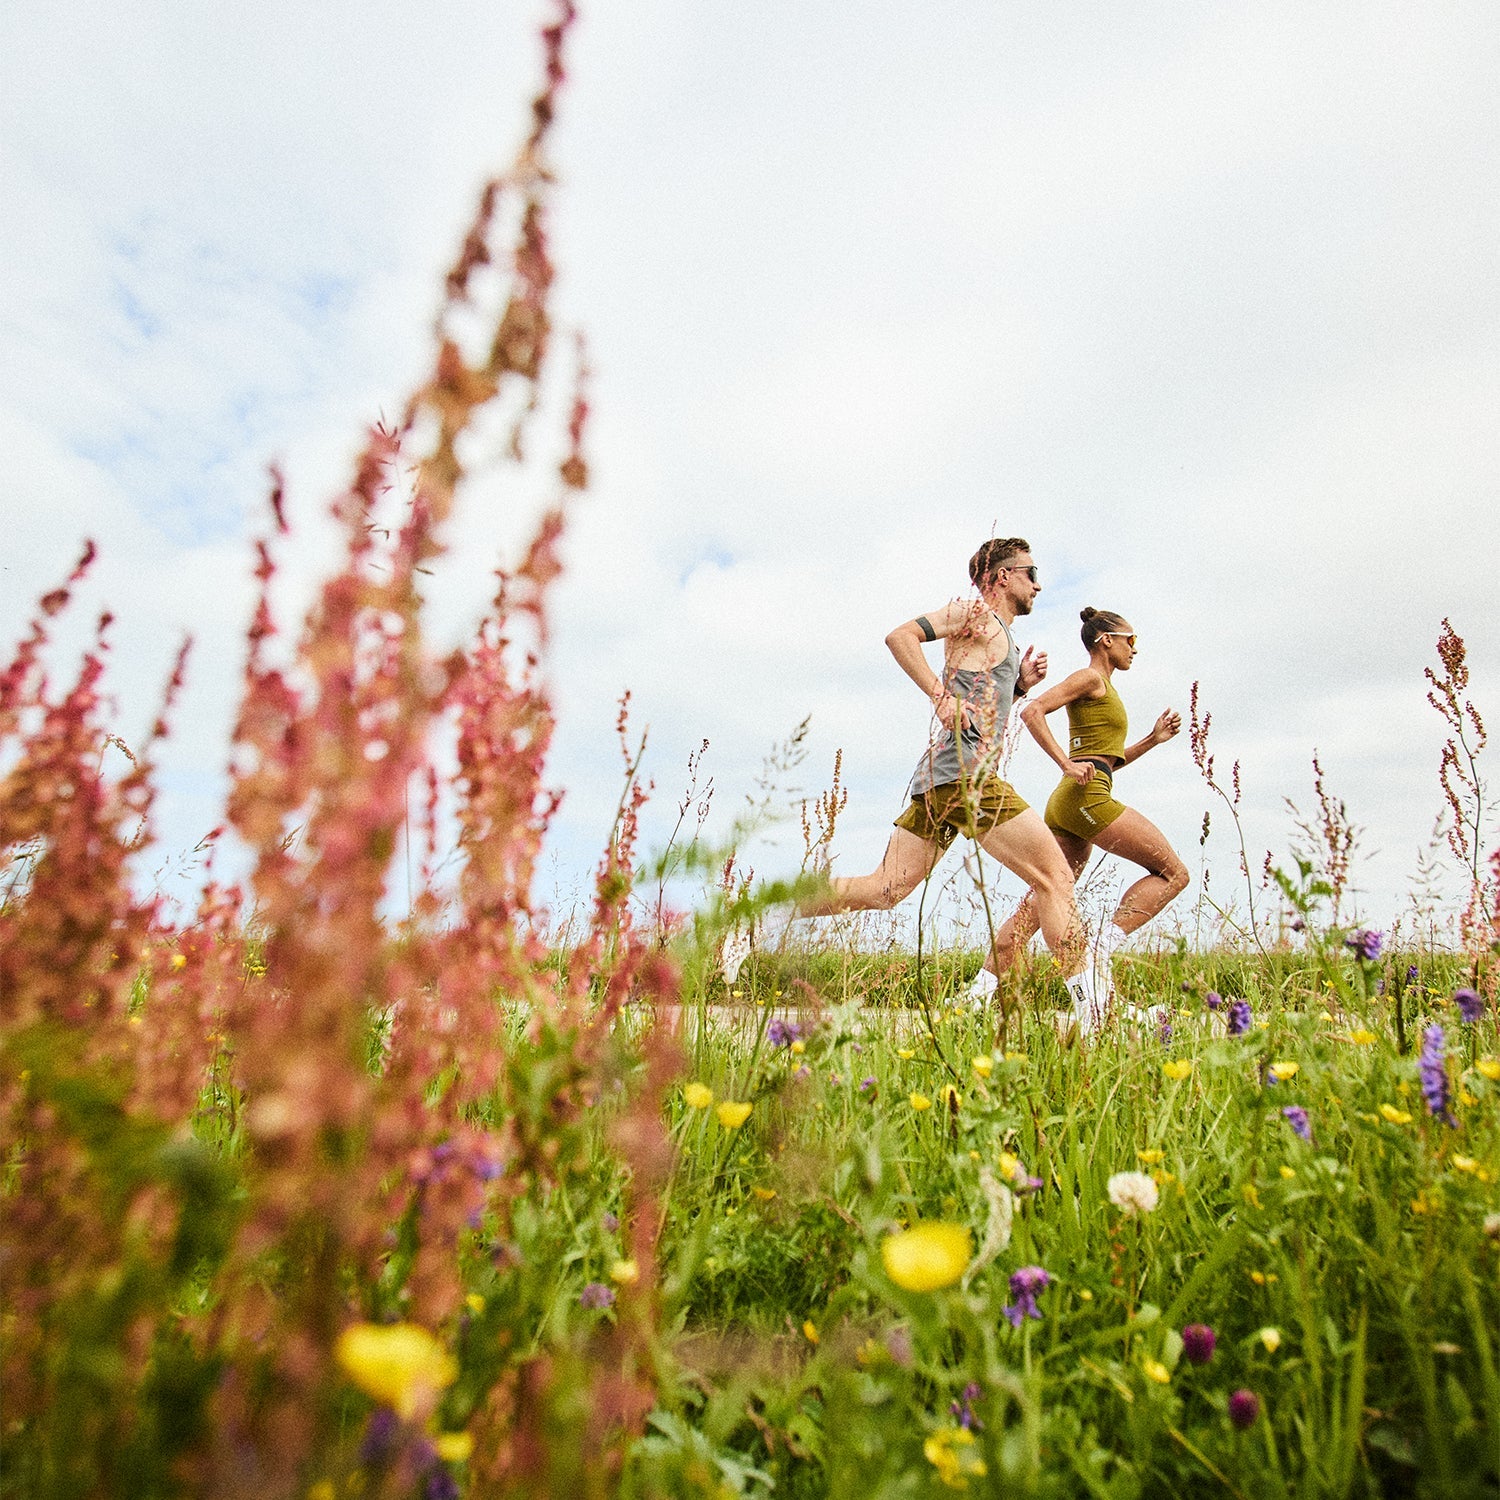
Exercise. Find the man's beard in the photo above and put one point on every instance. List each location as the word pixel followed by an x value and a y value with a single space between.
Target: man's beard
pixel 1023 609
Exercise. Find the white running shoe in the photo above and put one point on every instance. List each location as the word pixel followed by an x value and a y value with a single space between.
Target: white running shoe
pixel 1087 1010
pixel 981 991
pixel 733 954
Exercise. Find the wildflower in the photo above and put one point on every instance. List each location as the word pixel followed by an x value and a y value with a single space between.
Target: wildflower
pixel 1213 999
pixel 1287 1172
pixel 625 1272
pixel 983 1065
pixel 764 1194
pixel 1198 1342
pixel 866 1084
pixel 1366 943
pixel 919 1102
pixel 596 1295
pixel 1271 1338
pixel 1157 1371
pixel 799 1047
pixel 609 1221
pixel 1251 1194
pixel 810 1331
pixel 782 1033
pixel 1279 1072
pixel 1132 1193
pixel 1296 1116
pixel 1361 1037
pixel 905 1054
pixel 1244 1409
pixel 1470 1006
pixel 399 1364
pixel 1490 1068
pixel 698 1095
pixel 803 1072
pixel 179 960
pixel 1164 1030
pixel 1177 1069
pixel 1149 1158
pixel 1025 1286
pixel 927 1256
pixel 950 1451
pixel 732 1115
pixel 1240 1016
pixel 1432 1068
pixel 1394 1115
pixel 382 1432
pixel 475 1303
pixel 454 1447
pixel 1465 1163
pixel 963 1409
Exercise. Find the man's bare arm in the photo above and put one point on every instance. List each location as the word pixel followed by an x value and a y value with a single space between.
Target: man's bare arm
pixel 907 640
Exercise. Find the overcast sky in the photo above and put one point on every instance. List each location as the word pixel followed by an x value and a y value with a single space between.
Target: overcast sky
pixel 1202 299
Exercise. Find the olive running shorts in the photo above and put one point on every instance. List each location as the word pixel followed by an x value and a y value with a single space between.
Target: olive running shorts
pixel 939 816
pixel 1083 810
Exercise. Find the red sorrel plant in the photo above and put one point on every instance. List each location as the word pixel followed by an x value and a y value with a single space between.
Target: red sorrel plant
pixel 1464 791
pixel 171 1309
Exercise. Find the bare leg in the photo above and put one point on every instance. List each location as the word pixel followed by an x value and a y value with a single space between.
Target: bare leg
pixel 908 861
pixel 1020 927
pixel 1139 840
pixel 1026 848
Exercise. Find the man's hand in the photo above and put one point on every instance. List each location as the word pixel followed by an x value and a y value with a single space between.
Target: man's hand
pixel 1033 669
pixel 951 710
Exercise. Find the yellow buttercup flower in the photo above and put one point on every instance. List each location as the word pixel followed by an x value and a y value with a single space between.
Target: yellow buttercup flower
pixel 1465 1163
pixel 1149 1158
pixel 179 960
pixel 399 1364
pixel 1288 1172
pixel 927 1256
pixel 1281 1071
pixel 950 1450
pixel 625 1272
pixel 1362 1038
pixel 1490 1067
pixel 799 1046
pixel 698 1095
pixel 732 1115
pixel 1157 1371
pixel 810 1331
pixel 983 1065
pixel 1010 1166
pixel 905 1054
pixel 454 1447
pixel 1394 1115
pixel 764 1194
pixel 1177 1069
pixel 919 1102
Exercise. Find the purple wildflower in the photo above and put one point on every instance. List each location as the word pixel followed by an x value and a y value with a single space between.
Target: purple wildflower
pixel 1296 1117
pixel 1164 1030
pixel 1198 1343
pixel 1432 1067
pixel 441 1485
pixel 1298 925
pixel 609 1221
pixel 1244 1409
pixel 963 1409
pixel 379 1441
pixel 1470 1006
pixel 1239 1017
pixel 1025 1286
pixel 1366 943
pixel 596 1294
pixel 782 1033
pixel 866 1084
pixel 1213 999
pixel 1411 973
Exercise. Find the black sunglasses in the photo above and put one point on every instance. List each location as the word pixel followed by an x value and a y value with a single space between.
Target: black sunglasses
pixel 1029 569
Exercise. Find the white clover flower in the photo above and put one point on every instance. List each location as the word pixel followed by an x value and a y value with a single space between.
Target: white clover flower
pixel 1132 1193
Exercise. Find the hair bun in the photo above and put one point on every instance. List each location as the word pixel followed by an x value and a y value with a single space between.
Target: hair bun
pixel 1087 614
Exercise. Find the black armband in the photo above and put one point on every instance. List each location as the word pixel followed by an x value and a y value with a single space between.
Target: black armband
pixel 928 633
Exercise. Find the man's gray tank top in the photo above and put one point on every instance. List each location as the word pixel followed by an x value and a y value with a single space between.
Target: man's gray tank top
pixel 989 696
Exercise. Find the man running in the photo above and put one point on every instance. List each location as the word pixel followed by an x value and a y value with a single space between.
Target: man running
pixel 957 788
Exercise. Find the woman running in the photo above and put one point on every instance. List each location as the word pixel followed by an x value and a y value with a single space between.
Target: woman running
pixel 1083 812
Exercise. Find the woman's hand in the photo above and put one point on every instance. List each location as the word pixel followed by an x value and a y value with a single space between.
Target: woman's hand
pixel 1081 771
pixel 1165 727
